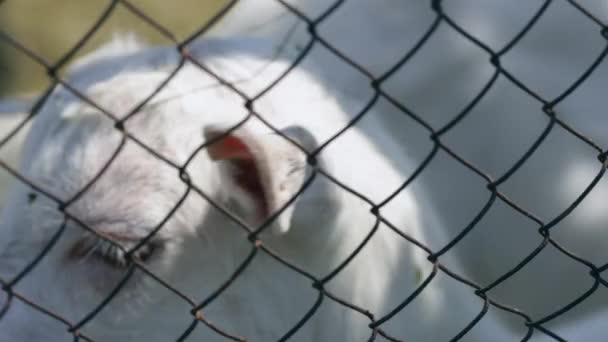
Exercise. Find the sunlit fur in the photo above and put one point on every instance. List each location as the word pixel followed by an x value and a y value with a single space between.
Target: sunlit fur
pixel 199 248
pixel 440 81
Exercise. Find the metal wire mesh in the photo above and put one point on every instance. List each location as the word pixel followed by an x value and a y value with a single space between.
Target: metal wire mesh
pixel 198 306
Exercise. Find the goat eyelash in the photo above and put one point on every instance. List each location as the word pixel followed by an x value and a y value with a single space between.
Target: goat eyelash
pixel 116 256
pixel 109 252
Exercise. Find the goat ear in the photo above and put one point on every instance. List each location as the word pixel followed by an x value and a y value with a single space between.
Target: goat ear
pixel 267 167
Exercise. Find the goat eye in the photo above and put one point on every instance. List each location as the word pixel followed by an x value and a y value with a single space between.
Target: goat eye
pixel 111 252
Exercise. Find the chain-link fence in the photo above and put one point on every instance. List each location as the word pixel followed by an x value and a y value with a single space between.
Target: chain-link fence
pixel 439 144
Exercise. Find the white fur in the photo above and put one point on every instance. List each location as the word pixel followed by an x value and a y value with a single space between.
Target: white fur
pixel 71 140
pixel 439 81
pixel 13 112
pixel 589 330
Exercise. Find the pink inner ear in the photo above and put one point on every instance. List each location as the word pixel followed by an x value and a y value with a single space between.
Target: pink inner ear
pixel 229 147
pixel 248 178
pixel 246 175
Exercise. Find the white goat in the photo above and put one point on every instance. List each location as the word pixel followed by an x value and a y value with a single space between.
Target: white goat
pixel 251 172
pixel 439 81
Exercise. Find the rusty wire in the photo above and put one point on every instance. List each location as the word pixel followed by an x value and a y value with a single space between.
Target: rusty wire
pixel 257 246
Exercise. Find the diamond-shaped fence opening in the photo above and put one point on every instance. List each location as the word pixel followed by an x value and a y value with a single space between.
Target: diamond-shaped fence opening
pixel 507 145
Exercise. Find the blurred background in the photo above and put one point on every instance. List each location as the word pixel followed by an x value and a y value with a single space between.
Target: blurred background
pixel 51 27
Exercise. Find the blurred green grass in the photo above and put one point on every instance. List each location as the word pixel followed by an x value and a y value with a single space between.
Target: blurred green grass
pixel 51 27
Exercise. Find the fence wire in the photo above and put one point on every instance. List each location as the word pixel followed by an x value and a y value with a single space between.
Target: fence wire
pixel 198 306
